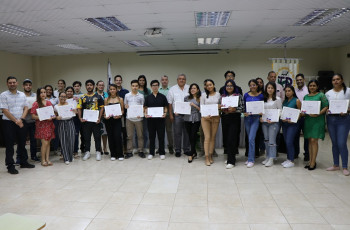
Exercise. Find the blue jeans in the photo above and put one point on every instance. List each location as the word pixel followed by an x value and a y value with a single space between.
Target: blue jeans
pixel 290 130
pixel 297 139
pixel 251 124
pixel 338 128
pixel 270 131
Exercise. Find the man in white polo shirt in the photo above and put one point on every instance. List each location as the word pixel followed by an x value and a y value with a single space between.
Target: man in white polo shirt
pixel 272 77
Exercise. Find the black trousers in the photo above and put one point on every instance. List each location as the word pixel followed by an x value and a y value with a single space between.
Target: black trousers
pixel 232 124
pixel 192 130
pixel 30 128
pixel 13 133
pixel 114 134
pixel 156 126
pixel 89 128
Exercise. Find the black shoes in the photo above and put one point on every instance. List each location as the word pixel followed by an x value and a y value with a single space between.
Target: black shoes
pixel 35 158
pixel 27 165
pixel 142 155
pixel 171 150
pixel 128 155
pixel 106 153
pixel 190 159
pixel 178 154
pixel 12 170
pixel 312 168
pixel 306 158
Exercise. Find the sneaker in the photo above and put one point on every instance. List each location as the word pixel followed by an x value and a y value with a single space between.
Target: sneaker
pixel 178 154
pixel 86 156
pixel 250 164
pixel 285 162
pixel 346 172
pixel 246 162
pixel 113 158
pixel 333 168
pixel 27 165
pixel 98 156
pixel 150 157
pixel 120 158
pixel 265 161
pixel 12 170
pixel 162 157
pixel 171 150
pixel 289 164
pixel 67 162
pixel 128 155
pixel 142 155
pixel 269 163
pixel 229 166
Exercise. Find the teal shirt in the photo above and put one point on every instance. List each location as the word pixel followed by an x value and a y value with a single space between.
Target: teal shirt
pixel 164 91
pixel 291 104
pixel 143 93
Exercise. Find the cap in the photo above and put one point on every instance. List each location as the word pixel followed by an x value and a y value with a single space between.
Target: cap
pixel 27 81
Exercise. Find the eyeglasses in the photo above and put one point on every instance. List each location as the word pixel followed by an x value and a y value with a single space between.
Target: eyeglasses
pixel 154 85
pixel 229 86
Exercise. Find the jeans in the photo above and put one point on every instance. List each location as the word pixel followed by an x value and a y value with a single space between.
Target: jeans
pixel 156 126
pixel 181 138
pixel 297 139
pixel 270 131
pixel 232 124
pixel 251 123
pixel 192 130
pixel 290 131
pixel 89 128
pixel 338 128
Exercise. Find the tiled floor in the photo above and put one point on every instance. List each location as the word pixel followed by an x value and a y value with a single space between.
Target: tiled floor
pixel 172 194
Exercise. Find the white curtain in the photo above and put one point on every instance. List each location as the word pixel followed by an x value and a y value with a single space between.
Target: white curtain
pixel 286 70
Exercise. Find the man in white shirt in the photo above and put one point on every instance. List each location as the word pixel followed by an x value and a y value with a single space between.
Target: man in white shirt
pixel 177 93
pixel 271 77
pixel 61 87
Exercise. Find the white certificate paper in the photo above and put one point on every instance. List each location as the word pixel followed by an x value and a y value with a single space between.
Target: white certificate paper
pixel 209 110
pixel 182 107
pixel 65 111
pixel 113 110
pixel 72 102
pixel 155 111
pixel 30 101
pixel 338 106
pixel 135 111
pixel 229 102
pixel 290 113
pixel 272 115
pixel 45 113
pixel 91 115
pixel 310 107
pixel 255 107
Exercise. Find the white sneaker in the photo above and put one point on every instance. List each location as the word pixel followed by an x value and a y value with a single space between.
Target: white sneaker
pixel 250 164
pixel 162 157
pixel 67 162
pixel 265 161
pixel 86 156
pixel 229 166
pixel 285 162
pixel 113 159
pixel 98 156
pixel 246 162
pixel 121 158
pixel 269 162
pixel 289 164
pixel 150 157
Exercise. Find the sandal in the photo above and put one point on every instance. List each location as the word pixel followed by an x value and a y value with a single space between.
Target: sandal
pixel 44 163
pixel 49 163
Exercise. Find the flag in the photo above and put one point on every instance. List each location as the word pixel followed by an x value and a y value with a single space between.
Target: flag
pixel 286 70
pixel 109 73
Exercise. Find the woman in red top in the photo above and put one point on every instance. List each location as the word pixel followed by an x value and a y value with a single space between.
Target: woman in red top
pixel 44 130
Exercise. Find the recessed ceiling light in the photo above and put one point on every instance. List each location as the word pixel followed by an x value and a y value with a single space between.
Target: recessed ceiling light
pixel 18 30
pixel 208 41
pixel 320 17
pixel 279 40
pixel 71 46
pixel 137 43
pixel 212 19
pixel 107 23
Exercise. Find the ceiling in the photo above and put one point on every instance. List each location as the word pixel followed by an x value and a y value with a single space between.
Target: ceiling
pixel 251 24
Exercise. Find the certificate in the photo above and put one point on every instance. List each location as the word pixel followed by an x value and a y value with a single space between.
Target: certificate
pixel 255 107
pixel 182 107
pixel 338 106
pixel 45 113
pixel 311 107
pixel 72 102
pixel 91 115
pixel 113 110
pixel 155 111
pixel 209 110
pixel 290 113
pixel 229 102
pixel 30 101
pixel 65 111
pixel 272 115
pixel 135 111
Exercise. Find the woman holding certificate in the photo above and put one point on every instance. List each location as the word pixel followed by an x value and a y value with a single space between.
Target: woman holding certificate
pixel 231 107
pixel 45 129
pixel 338 122
pixel 289 128
pixel 210 120
pixel 193 120
pixel 252 117
pixel 65 126
pixel 114 124
pixel 314 123
pixel 270 126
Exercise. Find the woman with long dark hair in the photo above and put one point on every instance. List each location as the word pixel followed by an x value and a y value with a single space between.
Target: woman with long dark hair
pixel 145 92
pixel 315 123
pixel 339 125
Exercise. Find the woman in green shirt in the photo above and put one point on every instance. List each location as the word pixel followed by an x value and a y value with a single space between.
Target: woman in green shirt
pixel 315 123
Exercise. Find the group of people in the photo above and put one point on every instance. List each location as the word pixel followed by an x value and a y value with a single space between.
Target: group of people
pixel 123 132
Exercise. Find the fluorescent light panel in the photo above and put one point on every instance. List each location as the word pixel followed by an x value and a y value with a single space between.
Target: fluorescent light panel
pixel 71 46
pixel 137 43
pixel 320 17
pixel 279 40
pixel 208 41
pixel 107 23
pixel 18 30
pixel 212 19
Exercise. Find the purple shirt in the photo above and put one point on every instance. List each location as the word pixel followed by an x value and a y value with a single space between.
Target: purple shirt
pixel 301 92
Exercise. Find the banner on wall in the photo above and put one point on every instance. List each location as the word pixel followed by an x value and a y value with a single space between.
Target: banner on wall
pixel 286 70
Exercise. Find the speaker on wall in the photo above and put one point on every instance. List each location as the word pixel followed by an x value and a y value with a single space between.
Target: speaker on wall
pixel 325 79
